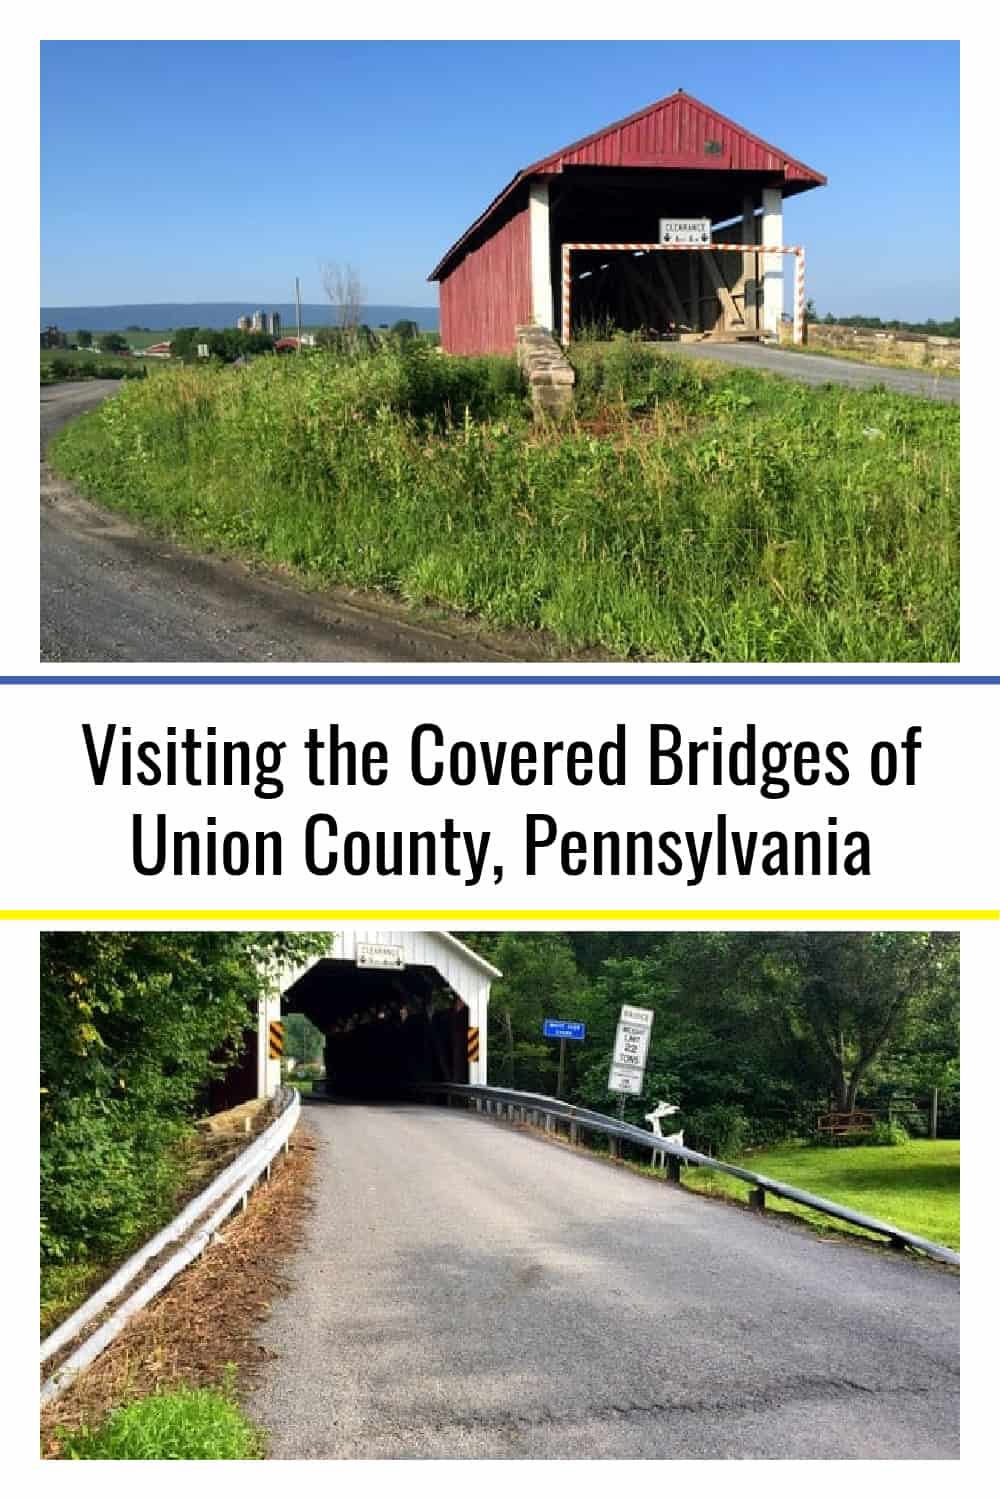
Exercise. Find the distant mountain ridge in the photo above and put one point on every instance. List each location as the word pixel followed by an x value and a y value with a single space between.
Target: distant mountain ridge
pixel 165 315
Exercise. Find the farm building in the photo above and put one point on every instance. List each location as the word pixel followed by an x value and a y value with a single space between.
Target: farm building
pixel 580 238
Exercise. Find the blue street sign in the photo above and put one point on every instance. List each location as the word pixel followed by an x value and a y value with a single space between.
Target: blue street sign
pixel 573 1031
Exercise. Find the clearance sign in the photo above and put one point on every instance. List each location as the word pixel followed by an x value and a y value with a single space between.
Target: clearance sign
pixel 685 231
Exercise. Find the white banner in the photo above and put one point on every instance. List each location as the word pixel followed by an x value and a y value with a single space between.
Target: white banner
pixel 477 798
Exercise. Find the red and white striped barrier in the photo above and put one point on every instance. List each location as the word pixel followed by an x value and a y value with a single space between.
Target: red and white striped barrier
pixel 799 319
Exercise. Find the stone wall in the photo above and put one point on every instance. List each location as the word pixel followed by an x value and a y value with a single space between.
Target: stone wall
pixel 549 374
pixel 929 352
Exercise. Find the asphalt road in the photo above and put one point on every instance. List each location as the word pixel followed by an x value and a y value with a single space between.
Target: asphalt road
pixel 817 369
pixel 466 1290
pixel 111 592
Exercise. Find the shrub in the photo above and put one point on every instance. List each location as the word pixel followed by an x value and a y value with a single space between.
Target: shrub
pixel 106 1173
pixel 720 1130
pixel 183 1423
pixel 887 1133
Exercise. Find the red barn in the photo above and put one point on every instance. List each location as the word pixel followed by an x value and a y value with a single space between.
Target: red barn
pixel 676 168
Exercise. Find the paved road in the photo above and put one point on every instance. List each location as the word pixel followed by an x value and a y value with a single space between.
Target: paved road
pixel 815 369
pixel 110 592
pixel 466 1290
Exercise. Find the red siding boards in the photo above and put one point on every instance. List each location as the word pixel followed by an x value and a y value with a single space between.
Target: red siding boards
pixel 488 292
pixel 678 131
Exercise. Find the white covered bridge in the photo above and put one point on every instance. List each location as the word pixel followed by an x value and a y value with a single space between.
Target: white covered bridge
pixel 397 1008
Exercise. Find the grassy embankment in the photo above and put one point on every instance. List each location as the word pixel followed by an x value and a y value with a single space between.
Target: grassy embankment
pixel 914 1187
pixel 687 512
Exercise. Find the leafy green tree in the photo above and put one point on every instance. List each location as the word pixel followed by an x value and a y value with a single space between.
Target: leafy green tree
pixel 753 1032
pixel 540 978
pixel 134 1026
pixel 852 996
pixel 84 338
pixel 303 1040
pixel 113 343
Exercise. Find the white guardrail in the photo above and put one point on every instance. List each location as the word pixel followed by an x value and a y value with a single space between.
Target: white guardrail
pixel 191 1231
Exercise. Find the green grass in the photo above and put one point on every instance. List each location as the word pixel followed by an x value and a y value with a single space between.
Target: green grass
pixel 913 1187
pixel 688 513
pixel 182 1423
pixel 144 339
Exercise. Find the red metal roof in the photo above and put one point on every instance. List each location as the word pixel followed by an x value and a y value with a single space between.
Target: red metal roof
pixel 678 131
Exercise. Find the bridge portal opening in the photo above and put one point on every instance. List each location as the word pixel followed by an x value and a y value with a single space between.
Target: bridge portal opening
pixel 387 1030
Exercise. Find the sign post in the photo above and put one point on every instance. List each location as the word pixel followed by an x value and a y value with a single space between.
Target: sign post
pixel 572 1031
pixel 628 1062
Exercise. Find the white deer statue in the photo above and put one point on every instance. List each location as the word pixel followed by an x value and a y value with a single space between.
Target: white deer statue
pixel 654 1117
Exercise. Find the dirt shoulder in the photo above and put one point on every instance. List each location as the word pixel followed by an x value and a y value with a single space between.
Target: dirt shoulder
pixel 207 1318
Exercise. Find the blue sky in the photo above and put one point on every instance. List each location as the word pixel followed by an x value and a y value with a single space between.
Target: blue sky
pixel 210 171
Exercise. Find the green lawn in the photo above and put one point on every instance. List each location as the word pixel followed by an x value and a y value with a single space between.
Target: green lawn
pixel 914 1187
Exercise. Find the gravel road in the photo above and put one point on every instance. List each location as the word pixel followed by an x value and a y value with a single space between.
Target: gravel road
pixel 112 592
pixel 467 1290
pixel 817 369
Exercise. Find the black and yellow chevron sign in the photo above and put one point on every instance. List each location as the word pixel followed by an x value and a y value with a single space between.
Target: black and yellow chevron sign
pixel 473 1043
pixel 276 1039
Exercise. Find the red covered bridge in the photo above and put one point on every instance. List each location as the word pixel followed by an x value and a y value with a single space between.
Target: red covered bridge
pixel 675 160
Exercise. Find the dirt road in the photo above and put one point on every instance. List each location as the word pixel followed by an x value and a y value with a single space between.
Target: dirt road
pixel 111 592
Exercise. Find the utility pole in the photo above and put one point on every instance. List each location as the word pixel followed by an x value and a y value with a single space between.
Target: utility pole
pixel 932 1124
pixel 298 315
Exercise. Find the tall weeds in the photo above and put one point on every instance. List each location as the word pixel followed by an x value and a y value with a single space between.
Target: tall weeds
pixel 686 513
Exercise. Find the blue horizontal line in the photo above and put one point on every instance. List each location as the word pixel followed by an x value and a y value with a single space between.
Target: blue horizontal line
pixel 506 680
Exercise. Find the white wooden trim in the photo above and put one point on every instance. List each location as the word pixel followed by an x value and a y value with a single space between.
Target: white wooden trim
pixel 541 264
pixel 772 269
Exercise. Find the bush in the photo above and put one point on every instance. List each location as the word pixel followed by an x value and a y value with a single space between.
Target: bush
pixel 183 1423
pixel 107 1172
pixel 887 1133
pixel 133 1028
pixel 721 1130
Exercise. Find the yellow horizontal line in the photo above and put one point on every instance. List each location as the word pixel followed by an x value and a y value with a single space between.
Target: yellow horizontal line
pixel 498 914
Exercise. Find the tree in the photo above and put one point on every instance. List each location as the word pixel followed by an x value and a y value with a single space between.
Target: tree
pixel 113 343
pixel 303 1040
pixel 853 995
pixel 540 978
pixel 342 285
pixel 754 1029
pixel 84 338
pixel 134 1025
